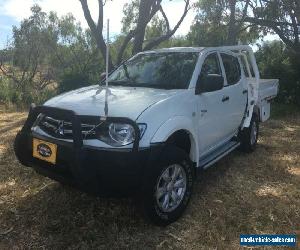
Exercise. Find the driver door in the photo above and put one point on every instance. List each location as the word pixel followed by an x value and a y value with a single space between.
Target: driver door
pixel 211 111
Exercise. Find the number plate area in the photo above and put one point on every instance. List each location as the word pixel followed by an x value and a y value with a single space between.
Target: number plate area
pixel 43 150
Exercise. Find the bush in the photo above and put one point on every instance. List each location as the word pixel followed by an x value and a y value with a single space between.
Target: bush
pixel 5 92
pixel 70 81
pixel 10 94
pixel 276 61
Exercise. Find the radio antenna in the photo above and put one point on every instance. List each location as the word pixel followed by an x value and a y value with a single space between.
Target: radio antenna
pixel 107 69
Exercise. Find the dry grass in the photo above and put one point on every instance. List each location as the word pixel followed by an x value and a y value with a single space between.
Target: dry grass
pixel 243 193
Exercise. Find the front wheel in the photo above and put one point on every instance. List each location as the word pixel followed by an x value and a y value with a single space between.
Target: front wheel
pixel 169 187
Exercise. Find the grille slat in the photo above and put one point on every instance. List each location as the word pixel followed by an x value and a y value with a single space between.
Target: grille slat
pixel 63 129
pixel 51 120
pixel 50 126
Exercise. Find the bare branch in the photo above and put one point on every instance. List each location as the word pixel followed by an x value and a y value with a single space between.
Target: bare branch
pixel 155 8
pixel 8 74
pixel 147 9
pixel 245 10
pixel 100 16
pixel 96 29
pixel 127 39
pixel 158 40
pixel 246 27
pixel 165 17
pixel 272 25
pixel 88 16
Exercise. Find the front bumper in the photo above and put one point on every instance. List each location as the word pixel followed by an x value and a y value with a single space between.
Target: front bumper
pixel 100 171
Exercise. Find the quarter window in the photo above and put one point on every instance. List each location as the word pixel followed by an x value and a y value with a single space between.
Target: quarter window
pixel 232 68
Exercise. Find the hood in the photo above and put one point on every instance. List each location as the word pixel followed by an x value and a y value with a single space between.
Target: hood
pixel 127 102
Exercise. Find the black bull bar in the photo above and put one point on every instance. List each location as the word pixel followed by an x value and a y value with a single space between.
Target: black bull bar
pixel 23 139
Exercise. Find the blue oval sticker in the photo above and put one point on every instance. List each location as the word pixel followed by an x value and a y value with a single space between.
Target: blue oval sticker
pixel 44 150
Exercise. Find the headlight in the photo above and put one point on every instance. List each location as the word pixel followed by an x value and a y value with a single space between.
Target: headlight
pixel 120 134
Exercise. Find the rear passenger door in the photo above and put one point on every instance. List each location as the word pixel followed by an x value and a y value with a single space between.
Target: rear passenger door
pixel 235 94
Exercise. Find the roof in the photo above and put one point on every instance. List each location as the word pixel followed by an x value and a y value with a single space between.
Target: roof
pixel 176 49
pixel 199 49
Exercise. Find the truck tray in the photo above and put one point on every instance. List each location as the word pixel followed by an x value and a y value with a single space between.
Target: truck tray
pixel 268 89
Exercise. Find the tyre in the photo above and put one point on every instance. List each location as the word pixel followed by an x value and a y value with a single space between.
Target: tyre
pixel 249 136
pixel 168 187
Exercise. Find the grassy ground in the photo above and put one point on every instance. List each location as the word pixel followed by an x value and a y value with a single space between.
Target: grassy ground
pixel 243 193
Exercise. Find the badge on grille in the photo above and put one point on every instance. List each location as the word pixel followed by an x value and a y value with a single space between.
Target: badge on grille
pixel 44 150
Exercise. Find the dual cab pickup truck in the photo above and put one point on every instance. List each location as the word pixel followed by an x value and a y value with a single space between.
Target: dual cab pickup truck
pixel 164 114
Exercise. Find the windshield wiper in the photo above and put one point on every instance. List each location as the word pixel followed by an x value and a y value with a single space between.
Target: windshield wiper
pixel 155 85
pixel 126 72
pixel 130 83
pixel 119 82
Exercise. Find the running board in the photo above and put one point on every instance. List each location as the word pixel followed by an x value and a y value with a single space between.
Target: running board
pixel 219 153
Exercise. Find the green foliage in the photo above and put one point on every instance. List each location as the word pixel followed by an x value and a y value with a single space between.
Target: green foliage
pixel 33 41
pixel 11 95
pixel 73 80
pixel 115 46
pixel 52 54
pixel 156 28
pixel 276 61
pixel 282 110
pixel 5 95
pixel 281 17
pixel 177 41
pixel 48 55
pixel 205 34
pixel 211 26
pixel 130 12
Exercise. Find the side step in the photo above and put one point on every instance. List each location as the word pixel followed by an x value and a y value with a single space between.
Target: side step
pixel 219 153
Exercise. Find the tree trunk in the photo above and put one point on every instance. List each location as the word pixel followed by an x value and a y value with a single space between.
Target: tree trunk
pixel 97 29
pixel 232 32
pixel 143 19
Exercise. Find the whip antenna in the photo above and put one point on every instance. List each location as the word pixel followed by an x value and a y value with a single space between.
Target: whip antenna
pixel 106 73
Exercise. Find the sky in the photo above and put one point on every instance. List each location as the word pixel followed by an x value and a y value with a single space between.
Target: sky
pixel 13 11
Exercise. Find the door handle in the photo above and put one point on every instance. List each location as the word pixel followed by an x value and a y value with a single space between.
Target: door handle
pixel 225 98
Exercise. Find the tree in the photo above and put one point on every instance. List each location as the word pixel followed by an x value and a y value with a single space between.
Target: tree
pixel 236 19
pixel 221 22
pixel 281 17
pixel 142 13
pixel 276 60
pixel 31 43
pixel 96 29
pixel 49 54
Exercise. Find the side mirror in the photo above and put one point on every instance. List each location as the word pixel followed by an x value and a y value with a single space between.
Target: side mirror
pixel 209 83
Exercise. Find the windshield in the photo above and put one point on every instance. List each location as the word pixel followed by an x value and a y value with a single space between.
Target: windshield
pixel 156 70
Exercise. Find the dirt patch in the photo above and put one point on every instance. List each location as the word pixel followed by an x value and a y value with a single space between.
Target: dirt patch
pixel 243 193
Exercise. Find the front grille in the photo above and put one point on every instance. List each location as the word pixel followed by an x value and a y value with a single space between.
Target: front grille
pixel 63 129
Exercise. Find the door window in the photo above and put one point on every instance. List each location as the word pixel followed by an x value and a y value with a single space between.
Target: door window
pixel 232 69
pixel 211 65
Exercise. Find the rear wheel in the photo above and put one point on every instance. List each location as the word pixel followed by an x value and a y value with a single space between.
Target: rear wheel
pixel 168 187
pixel 249 136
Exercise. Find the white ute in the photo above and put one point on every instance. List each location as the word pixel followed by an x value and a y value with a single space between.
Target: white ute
pixel 165 114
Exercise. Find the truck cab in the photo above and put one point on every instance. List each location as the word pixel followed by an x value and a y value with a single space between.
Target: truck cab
pixel 165 115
